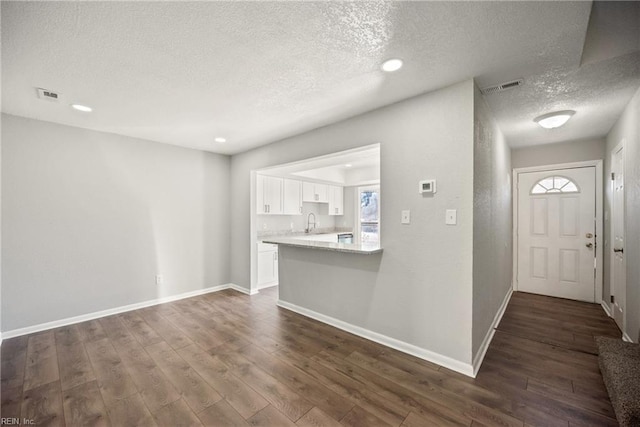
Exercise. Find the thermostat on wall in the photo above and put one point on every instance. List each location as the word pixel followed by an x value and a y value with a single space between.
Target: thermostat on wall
pixel 427 186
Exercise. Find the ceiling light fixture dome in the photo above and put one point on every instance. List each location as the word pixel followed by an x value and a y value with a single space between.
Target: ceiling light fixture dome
pixel 220 139
pixel 82 108
pixel 391 65
pixel 555 119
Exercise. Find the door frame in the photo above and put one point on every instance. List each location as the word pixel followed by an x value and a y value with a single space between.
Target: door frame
pixel 610 305
pixel 599 234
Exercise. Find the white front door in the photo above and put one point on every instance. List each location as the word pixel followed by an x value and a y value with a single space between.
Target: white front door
pixel 619 277
pixel 556 233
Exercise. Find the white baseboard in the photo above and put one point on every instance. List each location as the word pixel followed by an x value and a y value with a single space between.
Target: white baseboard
pixel 442 360
pixel 0 339
pixel 243 290
pixel 482 351
pixel 626 337
pixel 606 309
pixel 111 311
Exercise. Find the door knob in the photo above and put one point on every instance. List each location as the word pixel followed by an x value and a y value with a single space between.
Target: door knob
pixel 618 250
pixel 589 245
pixel 589 235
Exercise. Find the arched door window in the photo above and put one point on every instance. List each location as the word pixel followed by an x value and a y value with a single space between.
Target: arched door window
pixel 555 184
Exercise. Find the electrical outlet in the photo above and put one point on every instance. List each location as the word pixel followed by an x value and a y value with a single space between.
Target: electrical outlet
pixel 159 279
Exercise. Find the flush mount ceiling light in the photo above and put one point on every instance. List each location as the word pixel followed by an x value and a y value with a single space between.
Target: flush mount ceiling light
pixel 348 165
pixel 391 65
pixel 554 120
pixel 220 139
pixel 82 108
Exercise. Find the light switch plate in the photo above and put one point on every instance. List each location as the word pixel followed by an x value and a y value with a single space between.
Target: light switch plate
pixel 451 217
pixel 406 217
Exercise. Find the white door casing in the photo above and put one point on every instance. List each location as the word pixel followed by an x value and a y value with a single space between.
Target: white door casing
pixel 618 267
pixel 557 233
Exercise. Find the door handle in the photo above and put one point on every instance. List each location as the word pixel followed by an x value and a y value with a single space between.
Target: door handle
pixel 621 250
pixel 589 235
pixel 589 245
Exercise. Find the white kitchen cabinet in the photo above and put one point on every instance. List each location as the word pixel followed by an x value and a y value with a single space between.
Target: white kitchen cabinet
pixel 313 192
pixel 292 191
pixel 336 200
pixel 267 265
pixel 269 195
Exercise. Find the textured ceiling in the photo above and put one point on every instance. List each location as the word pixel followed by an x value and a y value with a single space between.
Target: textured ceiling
pixel 254 72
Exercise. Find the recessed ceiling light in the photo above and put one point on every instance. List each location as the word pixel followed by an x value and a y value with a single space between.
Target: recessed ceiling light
pixel 348 165
pixel 391 65
pixel 82 108
pixel 554 120
pixel 220 139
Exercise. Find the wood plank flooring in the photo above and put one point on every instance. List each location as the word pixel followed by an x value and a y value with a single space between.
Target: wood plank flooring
pixel 227 359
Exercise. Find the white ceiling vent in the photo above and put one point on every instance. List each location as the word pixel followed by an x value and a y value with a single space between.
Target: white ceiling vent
pixel 502 87
pixel 48 95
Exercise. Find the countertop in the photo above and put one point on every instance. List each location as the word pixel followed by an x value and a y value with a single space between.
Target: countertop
pixel 352 248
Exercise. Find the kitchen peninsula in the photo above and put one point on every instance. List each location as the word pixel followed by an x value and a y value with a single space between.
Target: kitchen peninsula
pixel 353 248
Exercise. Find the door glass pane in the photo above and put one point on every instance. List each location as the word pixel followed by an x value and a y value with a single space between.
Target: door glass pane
pixel 369 214
pixel 369 233
pixel 369 206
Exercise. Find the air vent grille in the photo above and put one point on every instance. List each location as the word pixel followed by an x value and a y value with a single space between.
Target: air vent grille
pixel 48 95
pixel 502 87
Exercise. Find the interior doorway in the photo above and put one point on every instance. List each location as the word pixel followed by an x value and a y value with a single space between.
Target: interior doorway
pixel 558 229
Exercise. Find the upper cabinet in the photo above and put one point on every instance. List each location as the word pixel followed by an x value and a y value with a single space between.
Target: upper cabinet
pixel 292 197
pixel 336 200
pixel 312 192
pixel 269 191
pixel 281 196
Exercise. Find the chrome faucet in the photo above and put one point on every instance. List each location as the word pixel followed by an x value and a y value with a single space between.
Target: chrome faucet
pixel 308 230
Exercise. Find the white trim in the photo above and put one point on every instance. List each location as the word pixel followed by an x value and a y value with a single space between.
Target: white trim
pixel 243 290
pixel 0 339
pixel 111 311
pixel 620 146
pixel 599 211
pixel 626 337
pixel 606 309
pixel 482 351
pixel 440 359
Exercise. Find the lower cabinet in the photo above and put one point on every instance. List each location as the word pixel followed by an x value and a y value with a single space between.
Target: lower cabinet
pixel 267 265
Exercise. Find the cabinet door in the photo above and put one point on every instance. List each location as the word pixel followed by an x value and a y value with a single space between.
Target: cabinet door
pixel 292 197
pixel 273 195
pixel 322 193
pixel 308 192
pixel 261 204
pixel 336 200
pixel 266 267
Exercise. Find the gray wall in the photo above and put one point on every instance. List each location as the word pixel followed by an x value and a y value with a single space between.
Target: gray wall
pixel 564 152
pixel 492 218
pixel 90 218
pixel 425 272
pixel 627 128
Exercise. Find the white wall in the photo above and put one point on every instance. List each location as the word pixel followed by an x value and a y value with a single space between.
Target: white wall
pixel 90 218
pixel 563 152
pixel 421 293
pixel 492 218
pixel 627 128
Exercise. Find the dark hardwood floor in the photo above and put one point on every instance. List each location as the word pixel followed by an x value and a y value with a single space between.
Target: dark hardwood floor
pixel 227 359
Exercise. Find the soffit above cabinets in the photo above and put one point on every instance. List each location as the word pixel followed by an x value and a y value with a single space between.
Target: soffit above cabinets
pixel 364 167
